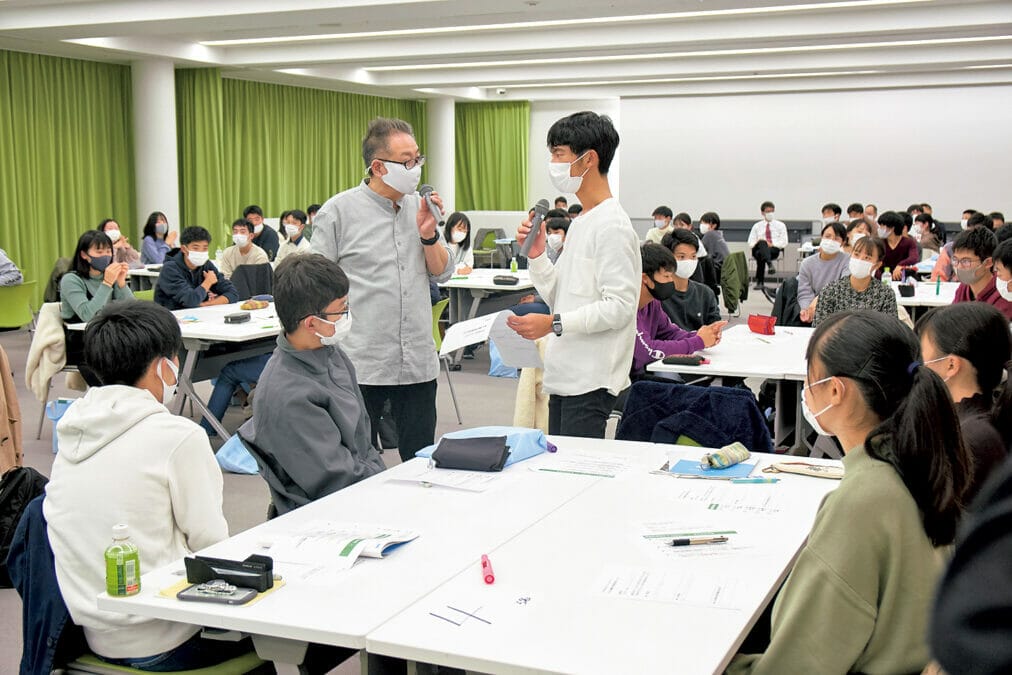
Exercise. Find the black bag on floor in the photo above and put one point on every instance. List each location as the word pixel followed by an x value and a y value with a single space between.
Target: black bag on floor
pixel 18 486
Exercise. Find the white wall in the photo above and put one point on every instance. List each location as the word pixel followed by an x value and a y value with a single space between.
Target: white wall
pixel 543 115
pixel 951 147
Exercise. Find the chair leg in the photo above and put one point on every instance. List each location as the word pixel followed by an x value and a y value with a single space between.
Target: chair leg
pixel 453 394
pixel 42 413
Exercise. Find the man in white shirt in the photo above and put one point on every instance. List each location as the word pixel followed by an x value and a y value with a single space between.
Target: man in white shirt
pixel 662 224
pixel 766 240
pixel 242 251
pixel 593 290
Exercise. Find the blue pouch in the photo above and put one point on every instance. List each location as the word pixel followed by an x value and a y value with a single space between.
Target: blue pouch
pixel 497 368
pixel 235 458
pixel 523 443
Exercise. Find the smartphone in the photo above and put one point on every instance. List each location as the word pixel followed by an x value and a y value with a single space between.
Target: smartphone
pixel 217 591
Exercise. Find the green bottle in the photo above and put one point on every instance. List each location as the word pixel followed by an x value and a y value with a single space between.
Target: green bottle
pixel 513 265
pixel 887 276
pixel 122 564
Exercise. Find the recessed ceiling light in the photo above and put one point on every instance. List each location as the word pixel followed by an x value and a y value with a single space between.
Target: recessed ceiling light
pixel 704 78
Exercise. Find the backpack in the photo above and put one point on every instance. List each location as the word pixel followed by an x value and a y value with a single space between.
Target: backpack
pixel 18 486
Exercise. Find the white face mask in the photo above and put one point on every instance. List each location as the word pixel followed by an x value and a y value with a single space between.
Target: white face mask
pixel 883 232
pixel 240 240
pixel 257 229
pixel 161 228
pixel 768 216
pixel 860 269
pixel 555 241
pixel 830 246
pixel 459 236
pixel 113 235
pixel 559 173
pixel 168 390
pixel 963 223
pixel 855 236
pixel 292 230
pixel 197 258
pixel 915 231
pixel 829 219
pixel 1002 287
pixel 400 179
pixel 341 329
pixel 660 223
pixel 813 417
pixel 703 228
pixel 685 268
pixel 940 358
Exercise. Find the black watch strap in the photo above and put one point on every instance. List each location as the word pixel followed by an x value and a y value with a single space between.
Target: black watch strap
pixel 430 242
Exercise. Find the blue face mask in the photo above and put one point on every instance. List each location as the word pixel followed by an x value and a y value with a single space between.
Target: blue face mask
pixel 100 262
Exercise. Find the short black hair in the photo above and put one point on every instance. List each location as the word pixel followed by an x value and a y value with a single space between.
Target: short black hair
pixel 837 228
pixel 656 257
pixel 193 234
pixel 979 219
pixel 924 218
pixel 242 222
pixel 304 285
pixel 914 207
pixel 994 215
pixel 683 217
pixel 908 219
pixel 562 199
pixel 675 238
pixel 870 244
pixel 926 206
pixel 868 223
pixel 298 214
pixel 767 205
pixel 575 209
pixel 835 208
pixel 663 211
pixel 1003 253
pixel 979 240
pixel 123 339
pixel 585 131
pixel 891 220
pixel 312 209
pixel 970 211
pixel 254 209
pixel 106 221
pixel 1003 233
pixel 455 219
pixel 557 224
pixel 149 224
pixel 556 213
pixel 711 219
pixel 856 207
pixel 90 238
pixel 377 136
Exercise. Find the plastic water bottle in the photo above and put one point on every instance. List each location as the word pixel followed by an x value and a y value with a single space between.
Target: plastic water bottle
pixel 513 265
pixel 887 276
pixel 122 564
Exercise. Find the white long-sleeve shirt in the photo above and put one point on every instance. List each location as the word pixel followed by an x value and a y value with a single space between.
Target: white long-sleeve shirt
pixel 595 289
pixel 777 228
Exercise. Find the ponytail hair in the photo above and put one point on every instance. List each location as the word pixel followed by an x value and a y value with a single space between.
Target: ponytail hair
pixel 918 433
pixel 979 333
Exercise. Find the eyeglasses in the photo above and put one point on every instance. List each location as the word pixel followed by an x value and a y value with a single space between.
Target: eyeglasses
pixel 344 313
pixel 965 263
pixel 409 164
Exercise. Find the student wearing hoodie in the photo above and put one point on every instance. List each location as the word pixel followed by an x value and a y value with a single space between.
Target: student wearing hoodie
pixel 125 457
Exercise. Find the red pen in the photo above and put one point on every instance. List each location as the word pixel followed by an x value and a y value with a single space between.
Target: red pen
pixel 486 570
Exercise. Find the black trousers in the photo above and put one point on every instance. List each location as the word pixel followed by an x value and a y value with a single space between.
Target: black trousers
pixel 584 415
pixel 413 408
pixel 763 254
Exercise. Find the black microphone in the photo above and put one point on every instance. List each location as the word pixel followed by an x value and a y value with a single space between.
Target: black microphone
pixel 426 192
pixel 540 211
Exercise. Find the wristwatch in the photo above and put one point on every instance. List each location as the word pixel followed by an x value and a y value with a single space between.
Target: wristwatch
pixel 430 242
pixel 557 325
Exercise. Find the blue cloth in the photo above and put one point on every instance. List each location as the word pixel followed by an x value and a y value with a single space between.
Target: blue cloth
pixel 523 443
pixel 231 376
pixel 536 307
pixel 179 287
pixel 235 458
pixel 153 251
pixel 496 367
pixel 659 412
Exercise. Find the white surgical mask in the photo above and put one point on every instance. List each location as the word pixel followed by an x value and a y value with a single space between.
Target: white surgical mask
pixel 257 229
pixel 940 358
pixel 883 232
pixel 403 180
pixel 239 240
pixel 830 246
pixel 559 173
pixel 660 223
pixel 113 235
pixel 828 220
pixel 703 228
pixel 860 269
pixel 963 223
pixel 341 329
pixel 459 236
pixel 685 268
pixel 813 417
pixel 915 231
pixel 168 390
pixel 291 230
pixel 1002 287
pixel 197 258
pixel 768 216
pixel 555 241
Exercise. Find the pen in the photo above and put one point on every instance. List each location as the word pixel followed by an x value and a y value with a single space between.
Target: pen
pixel 764 340
pixel 754 481
pixel 695 541
pixel 486 570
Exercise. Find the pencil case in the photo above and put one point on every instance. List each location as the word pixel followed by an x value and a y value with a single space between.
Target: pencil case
pixel 487 453
pixel 505 280
pixel 762 324
pixel 684 360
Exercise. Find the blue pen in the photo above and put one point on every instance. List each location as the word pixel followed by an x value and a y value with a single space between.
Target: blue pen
pixel 754 481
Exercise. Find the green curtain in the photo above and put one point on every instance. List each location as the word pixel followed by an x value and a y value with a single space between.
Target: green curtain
pixel 491 154
pixel 199 136
pixel 65 130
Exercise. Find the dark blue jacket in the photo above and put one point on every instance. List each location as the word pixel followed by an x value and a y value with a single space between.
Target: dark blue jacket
pixel 179 287
pixel 713 417
pixel 50 637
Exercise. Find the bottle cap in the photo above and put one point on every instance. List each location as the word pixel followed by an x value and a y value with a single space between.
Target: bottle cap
pixel 120 531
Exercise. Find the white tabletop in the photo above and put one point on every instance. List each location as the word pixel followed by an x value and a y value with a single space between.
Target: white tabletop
pixel 742 353
pixel 925 296
pixel 481 279
pixel 208 323
pixel 545 610
pixel 151 271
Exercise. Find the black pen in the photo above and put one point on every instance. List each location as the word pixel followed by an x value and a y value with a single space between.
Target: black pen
pixel 695 541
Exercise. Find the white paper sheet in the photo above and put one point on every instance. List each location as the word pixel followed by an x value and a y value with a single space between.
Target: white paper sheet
pixel 335 545
pixel 514 350
pixel 584 464
pixel 657 536
pixel 687 587
pixel 472 481
pixel 722 497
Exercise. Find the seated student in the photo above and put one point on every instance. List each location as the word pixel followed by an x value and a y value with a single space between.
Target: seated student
pixel 458 233
pixel 969 346
pixel 311 212
pixel 94 280
pixel 997 219
pixel 692 305
pixel 858 290
pixel 293 225
pixel 308 414
pixel 683 221
pixel 158 241
pixel 928 233
pixel 871 213
pixel 10 275
pixel 766 239
pixel 263 236
pixel 855 210
pixel 242 251
pixel 131 461
pixel 831 213
pixel 818 271
pixel 1004 232
pixel 656 336
pixel 900 249
pixel 574 210
pixel 713 238
pixel 556 230
pixel 859 227
pixel 1003 270
pixel 561 202
pixel 662 216
pixel 972 258
pixel 122 251
pixel 859 596
pixel 943 266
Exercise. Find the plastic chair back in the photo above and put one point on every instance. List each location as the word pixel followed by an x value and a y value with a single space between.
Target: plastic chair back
pixel 16 305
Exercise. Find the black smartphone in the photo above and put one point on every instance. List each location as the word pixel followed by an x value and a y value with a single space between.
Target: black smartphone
pixel 217 591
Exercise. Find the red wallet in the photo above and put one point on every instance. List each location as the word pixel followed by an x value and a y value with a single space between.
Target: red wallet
pixel 762 324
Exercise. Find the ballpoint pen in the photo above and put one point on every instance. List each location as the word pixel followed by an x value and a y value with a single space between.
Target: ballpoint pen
pixel 696 541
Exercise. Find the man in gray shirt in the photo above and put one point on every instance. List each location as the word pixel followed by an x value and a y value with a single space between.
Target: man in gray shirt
pixel 387 241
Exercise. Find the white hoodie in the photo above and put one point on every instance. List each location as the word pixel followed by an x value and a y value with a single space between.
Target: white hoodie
pixel 124 458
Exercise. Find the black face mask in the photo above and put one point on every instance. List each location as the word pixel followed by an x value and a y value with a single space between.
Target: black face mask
pixel 662 290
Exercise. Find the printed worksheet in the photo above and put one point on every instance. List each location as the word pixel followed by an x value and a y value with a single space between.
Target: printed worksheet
pixel 472 481
pixel 584 464
pixel 658 535
pixel 700 588
pixel 332 544
pixel 723 497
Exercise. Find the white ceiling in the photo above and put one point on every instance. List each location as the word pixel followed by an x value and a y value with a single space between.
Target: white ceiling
pixel 540 49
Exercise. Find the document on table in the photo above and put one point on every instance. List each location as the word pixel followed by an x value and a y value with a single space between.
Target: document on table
pixel 658 535
pixel 514 350
pixel 700 588
pixel 472 481
pixel 584 464
pixel 332 545
pixel 722 497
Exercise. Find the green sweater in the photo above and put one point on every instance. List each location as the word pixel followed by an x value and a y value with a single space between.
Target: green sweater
pixel 74 292
pixel 859 597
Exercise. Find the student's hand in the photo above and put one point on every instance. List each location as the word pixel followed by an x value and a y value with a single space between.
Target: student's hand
pixel 897 274
pixel 110 274
pixel 808 313
pixel 711 334
pixel 532 326
pixel 527 298
pixel 170 238
pixel 524 231
pixel 425 220
pixel 121 276
pixel 465 270
pixel 210 279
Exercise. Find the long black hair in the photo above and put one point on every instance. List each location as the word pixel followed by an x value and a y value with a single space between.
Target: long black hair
pixel 149 225
pixel 919 432
pixel 90 238
pixel 451 222
pixel 979 333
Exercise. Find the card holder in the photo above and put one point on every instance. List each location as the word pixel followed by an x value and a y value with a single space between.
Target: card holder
pixel 488 453
pixel 762 324
pixel 256 571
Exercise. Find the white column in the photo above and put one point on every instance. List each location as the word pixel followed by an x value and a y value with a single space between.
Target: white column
pixel 156 166
pixel 441 153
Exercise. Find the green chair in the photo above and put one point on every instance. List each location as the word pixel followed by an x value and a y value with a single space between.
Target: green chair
pixel 16 305
pixel 487 251
pixel 148 295
pixel 437 311
pixel 92 665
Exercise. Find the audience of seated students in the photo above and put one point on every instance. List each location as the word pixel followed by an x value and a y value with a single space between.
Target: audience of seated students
pixel 818 271
pixel 662 216
pixel 969 346
pixel 766 240
pixel 574 210
pixel 242 251
pixel 561 203
pixel 857 228
pixel 293 225
pixel 973 260
pixel 692 305
pixel 900 249
pixel 997 219
pixel 10 275
pixel 1003 269
pixel 855 210
pixel 871 213
pixel 713 238
pixel 943 266
pixel 309 416
pixel 831 213
pixel 859 289
pixel 656 336
pixel 122 251
pixel 457 233
pixel 94 280
pixel 263 236
pixel 157 241
pixel 859 596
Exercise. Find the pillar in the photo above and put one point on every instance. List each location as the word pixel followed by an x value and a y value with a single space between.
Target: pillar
pixel 156 166
pixel 441 153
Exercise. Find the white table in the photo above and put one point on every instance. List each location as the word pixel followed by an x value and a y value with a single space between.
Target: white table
pixel 925 296
pixel 547 616
pixel 479 286
pixel 143 278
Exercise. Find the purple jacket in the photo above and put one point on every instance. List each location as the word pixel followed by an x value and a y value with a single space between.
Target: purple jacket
pixel 657 337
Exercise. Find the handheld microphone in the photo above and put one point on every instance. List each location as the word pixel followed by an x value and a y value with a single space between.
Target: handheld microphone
pixel 540 210
pixel 426 192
